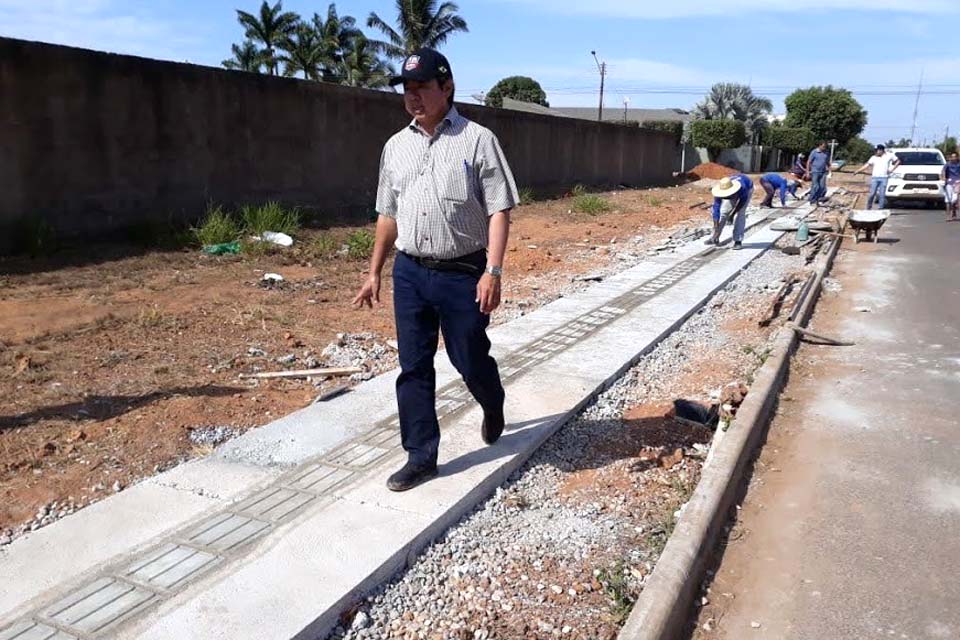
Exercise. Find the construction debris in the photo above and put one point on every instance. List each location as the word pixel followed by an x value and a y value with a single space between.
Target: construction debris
pixel 806 333
pixel 304 373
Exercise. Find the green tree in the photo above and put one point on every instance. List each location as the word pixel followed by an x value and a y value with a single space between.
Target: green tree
pixel 790 139
pixel 855 150
pixel 731 101
pixel 717 135
pixel 519 88
pixel 898 144
pixel 831 113
pixel 420 23
pixel 362 67
pixel 246 57
pixel 336 35
pixel 948 146
pixel 270 28
pixel 303 52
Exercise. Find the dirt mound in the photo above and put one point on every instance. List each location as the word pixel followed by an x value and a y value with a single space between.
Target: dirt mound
pixel 711 170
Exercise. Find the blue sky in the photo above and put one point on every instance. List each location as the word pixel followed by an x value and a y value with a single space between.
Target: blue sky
pixel 660 54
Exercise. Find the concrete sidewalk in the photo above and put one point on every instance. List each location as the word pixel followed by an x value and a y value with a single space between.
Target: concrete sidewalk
pixel 850 528
pixel 282 529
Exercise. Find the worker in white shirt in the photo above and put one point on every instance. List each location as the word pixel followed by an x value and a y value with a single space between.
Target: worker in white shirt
pixel 883 164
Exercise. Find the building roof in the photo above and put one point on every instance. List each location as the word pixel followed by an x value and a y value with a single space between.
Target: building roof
pixel 615 114
pixel 610 114
pixel 530 107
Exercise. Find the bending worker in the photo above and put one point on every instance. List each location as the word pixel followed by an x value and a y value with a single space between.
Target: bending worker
pixel 800 167
pixel 731 197
pixel 772 182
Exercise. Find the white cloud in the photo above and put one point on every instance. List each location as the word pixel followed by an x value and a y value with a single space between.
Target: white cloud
pixel 690 8
pixel 96 24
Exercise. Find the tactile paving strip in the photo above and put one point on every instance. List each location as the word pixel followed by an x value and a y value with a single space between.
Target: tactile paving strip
pixel 97 607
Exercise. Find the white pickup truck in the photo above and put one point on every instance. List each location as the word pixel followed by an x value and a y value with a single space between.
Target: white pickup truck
pixel 917 179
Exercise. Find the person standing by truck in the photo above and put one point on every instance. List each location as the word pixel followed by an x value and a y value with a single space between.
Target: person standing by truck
pixel 883 164
pixel 950 174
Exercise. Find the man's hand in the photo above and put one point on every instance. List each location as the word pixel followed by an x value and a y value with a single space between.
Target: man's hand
pixel 369 293
pixel 488 293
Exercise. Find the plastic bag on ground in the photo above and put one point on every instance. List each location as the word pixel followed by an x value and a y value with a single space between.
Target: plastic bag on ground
pixel 277 238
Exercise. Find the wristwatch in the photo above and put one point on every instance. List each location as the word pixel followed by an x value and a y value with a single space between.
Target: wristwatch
pixel 496 272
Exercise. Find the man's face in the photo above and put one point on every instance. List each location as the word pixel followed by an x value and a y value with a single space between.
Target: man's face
pixel 880 152
pixel 954 158
pixel 822 146
pixel 426 101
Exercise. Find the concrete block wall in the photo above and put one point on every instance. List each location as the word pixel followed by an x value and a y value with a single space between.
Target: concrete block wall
pixel 91 142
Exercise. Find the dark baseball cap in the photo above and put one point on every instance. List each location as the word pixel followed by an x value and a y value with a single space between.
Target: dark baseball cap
pixel 424 65
pixel 880 147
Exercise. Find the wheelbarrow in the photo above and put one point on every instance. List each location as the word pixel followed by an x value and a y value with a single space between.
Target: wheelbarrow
pixel 869 222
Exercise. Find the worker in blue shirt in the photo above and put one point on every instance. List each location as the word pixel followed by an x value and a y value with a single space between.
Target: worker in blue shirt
pixel 818 164
pixel 771 183
pixel 731 197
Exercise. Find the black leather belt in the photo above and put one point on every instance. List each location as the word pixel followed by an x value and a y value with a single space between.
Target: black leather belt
pixel 472 263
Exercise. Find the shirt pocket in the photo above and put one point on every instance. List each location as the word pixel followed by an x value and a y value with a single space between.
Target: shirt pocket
pixel 455 185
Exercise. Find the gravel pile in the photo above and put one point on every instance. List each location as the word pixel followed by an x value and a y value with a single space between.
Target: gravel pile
pixel 540 559
pixel 360 350
pixel 212 436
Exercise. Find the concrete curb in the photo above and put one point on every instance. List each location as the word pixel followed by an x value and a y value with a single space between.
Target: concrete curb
pixel 662 610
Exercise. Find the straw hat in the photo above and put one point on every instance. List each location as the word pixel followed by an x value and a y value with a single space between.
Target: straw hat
pixel 725 188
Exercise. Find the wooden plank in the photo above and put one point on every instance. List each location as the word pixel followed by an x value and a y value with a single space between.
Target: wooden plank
pixel 304 373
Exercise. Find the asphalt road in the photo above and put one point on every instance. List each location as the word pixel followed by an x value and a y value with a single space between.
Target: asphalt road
pixel 851 527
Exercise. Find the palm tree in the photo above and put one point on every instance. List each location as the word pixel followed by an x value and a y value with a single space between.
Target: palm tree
pixel 362 67
pixel 420 23
pixel 731 101
pixel 246 57
pixel 303 53
pixel 336 35
pixel 270 29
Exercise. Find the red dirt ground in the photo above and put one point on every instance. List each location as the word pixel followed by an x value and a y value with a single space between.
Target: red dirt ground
pixel 105 367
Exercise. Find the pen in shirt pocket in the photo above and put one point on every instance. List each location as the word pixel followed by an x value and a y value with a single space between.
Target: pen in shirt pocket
pixel 468 173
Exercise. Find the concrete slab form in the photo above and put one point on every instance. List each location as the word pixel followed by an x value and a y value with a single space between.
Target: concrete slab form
pixel 324 525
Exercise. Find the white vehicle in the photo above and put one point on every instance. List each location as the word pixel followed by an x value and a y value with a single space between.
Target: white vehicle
pixel 917 179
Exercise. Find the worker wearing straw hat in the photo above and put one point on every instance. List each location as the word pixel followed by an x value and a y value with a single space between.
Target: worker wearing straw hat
pixel 731 196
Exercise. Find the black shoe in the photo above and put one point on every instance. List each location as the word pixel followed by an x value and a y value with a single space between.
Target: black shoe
pixel 492 427
pixel 710 240
pixel 738 245
pixel 410 476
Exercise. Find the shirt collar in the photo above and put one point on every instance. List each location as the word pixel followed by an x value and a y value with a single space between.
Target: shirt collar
pixel 451 120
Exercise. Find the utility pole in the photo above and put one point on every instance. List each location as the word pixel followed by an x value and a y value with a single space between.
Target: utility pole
pixel 916 107
pixel 626 101
pixel 833 145
pixel 602 67
pixel 946 134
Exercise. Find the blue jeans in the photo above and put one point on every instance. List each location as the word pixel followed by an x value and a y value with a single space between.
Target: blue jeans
pixel 739 217
pixel 426 302
pixel 819 188
pixel 878 187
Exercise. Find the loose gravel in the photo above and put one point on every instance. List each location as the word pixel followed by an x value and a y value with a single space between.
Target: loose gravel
pixel 566 544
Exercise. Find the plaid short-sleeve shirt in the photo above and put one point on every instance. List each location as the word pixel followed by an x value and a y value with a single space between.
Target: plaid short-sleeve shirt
pixel 442 189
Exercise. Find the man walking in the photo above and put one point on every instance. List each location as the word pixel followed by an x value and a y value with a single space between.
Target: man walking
pixel 731 197
pixel 444 200
pixel 883 164
pixel 950 174
pixel 817 166
pixel 773 182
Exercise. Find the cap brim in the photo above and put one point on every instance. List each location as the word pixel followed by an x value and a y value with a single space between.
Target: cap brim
pixel 395 80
